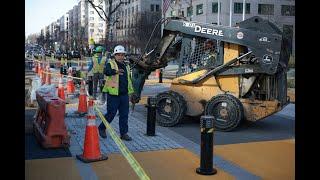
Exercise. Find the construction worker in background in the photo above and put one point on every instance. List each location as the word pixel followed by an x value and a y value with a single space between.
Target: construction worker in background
pixel 118 87
pixel 62 65
pixel 96 65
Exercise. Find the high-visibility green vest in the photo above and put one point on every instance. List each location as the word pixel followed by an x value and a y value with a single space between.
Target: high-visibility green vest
pixel 112 82
pixel 98 68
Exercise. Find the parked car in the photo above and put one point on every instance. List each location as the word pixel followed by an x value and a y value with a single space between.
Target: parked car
pixel 76 54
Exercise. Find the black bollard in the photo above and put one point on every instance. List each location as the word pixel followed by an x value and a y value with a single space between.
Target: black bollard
pixel 160 76
pixel 151 116
pixel 206 161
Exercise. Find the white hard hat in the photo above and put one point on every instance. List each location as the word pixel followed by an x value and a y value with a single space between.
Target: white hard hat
pixel 119 49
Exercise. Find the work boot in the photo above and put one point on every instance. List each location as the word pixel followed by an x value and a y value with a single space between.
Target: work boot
pixel 126 137
pixel 102 133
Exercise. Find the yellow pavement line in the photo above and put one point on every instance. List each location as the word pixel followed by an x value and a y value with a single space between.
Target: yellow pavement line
pixel 52 169
pixel 124 150
pixel 266 159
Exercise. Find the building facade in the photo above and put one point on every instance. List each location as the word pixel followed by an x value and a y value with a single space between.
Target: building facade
pixel 129 22
pixel 280 12
pixel 96 25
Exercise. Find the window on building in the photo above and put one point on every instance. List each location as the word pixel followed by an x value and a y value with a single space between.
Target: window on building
pixel 91 30
pixel 91 18
pixel 237 8
pixel 83 16
pixel 100 30
pixel 91 12
pixel 199 9
pixel 136 8
pixel 181 13
pixel 91 24
pixel 157 8
pixel 287 10
pixel 266 9
pixel 173 13
pixel 215 7
pixel 152 7
pixel 100 24
pixel 132 9
pixel 189 11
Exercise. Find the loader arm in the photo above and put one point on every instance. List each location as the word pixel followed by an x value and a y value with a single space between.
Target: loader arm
pixel 155 59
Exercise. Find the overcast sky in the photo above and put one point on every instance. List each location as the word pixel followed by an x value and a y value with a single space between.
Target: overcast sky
pixel 40 13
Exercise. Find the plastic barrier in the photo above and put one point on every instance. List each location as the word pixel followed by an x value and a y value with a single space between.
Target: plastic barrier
pixel 49 126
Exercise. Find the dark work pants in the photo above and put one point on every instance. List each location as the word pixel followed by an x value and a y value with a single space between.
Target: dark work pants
pixel 97 80
pixel 115 103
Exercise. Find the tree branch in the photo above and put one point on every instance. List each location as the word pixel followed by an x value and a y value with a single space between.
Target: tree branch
pixel 114 10
pixel 94 7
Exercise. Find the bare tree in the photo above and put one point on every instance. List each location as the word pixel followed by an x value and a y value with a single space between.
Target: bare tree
pixel 107 16
pixel 140 32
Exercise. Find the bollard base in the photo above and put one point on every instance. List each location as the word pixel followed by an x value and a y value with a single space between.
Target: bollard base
pixel 206 172
pixel 150 134
pixel 81 114
pixel 85 160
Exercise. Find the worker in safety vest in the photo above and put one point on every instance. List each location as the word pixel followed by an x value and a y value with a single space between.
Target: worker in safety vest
pixel 62 65
pixel 97 65
pixel 118 87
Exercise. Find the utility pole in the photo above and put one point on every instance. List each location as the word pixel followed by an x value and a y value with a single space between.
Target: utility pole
pixel 243 9
pixel 218 12
pixel 230 14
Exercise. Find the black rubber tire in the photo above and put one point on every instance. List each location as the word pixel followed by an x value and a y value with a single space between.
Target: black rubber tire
pixel 178 107
pixel 230 105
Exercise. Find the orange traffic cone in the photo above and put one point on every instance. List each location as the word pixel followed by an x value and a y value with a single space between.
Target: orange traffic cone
pixel 70 85
pixel 43 80
pixel 61 89
pixel 41 76
pixel 82 105
pixel 48 76
pixel 157 72
pixel 36 68
pixel 39 69
pixel 91 150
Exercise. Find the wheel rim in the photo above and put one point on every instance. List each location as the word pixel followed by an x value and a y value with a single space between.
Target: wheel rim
pixel 167 109
pixel 224 113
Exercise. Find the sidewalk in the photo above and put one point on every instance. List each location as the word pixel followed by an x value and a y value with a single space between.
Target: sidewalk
pixel 165 156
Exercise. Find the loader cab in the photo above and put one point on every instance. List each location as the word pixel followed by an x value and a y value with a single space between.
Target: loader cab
pixel 197 54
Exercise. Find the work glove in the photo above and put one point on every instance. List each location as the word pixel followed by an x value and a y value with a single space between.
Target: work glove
pixel 134 98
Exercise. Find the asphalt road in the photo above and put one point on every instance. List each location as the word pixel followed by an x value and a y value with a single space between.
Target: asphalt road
pixel 276 127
